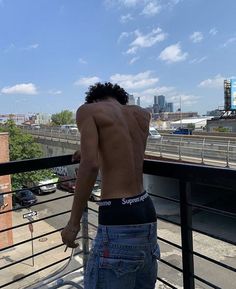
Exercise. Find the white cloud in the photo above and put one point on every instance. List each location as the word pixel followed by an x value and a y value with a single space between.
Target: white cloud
pixel 196 37
pixel 129 3
pixel 125 3
pixel 215 82
pixel 132 50
pixel 173 53
pixel 134 59
pixel 186 99
pixel 31 46
pixel 55 92
pixel 22 88
pixel 158 90
pixel 137 81
pixel 213 31
pixel 82 61
pixel 86 81
pixel 122 36
pixel 229 41
pixel 126 18
pixel 148 40
pixel 151 9
pixel 198 60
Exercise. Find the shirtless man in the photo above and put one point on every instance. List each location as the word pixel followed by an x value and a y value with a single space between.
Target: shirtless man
pixel 113 140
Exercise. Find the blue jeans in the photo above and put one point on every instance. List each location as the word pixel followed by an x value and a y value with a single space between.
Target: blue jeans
pixel 123 257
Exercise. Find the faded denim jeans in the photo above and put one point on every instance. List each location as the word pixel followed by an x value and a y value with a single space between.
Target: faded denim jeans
pixel 123 257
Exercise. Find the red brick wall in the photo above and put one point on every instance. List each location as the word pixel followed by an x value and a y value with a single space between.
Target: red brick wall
pixel 6 238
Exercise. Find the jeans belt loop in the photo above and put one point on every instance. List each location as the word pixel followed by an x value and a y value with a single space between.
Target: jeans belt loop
pixel 105 241
pixel 150 231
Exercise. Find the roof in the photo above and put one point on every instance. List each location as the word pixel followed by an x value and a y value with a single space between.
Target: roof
pixel 191 120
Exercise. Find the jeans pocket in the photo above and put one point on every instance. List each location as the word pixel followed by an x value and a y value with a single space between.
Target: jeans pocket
pixel 156 252
pixel 121 266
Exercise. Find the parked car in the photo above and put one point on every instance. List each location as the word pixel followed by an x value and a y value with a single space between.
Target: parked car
pixel 185 131
pixel 153 133
pixel 24 197
pixel 43 186
pixel 35 126
pixel 66 183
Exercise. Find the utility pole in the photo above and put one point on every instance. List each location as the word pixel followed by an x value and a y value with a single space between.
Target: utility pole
pixel 180 112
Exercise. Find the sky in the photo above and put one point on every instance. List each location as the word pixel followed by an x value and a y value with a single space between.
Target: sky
pixel 52 51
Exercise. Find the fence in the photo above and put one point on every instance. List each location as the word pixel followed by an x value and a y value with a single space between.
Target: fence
pixel 187 178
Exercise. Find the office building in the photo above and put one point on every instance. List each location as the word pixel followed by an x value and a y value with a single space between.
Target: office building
pixel 169 107
pixel 138 101
pixel 131 100
pixel 161 102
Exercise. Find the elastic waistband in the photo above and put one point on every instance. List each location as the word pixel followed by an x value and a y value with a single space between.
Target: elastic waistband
pixel 123 201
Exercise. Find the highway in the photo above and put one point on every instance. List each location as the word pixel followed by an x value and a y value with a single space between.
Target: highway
pixel 203 149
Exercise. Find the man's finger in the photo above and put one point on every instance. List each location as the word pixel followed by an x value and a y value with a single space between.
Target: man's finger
pixel 71 245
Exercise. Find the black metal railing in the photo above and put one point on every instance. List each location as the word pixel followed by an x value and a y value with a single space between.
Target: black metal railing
pixel 188 177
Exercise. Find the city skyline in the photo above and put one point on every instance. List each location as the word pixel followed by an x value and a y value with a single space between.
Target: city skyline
pixel 51 51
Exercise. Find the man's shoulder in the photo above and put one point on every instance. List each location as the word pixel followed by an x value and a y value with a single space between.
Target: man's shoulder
pixel 84 112
pixel 140 110
pixel 84 109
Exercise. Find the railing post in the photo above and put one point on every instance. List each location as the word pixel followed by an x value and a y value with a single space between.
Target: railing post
pixel 203 146
pixel 180 143
pixel 227 156
pixel 186 235
pixel 161 147
pixel 85 237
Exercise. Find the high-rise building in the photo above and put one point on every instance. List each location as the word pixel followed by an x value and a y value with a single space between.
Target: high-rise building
pixel 138 101
pixel 169 107
pixel 155 99
pixel 161 102
pixel 131 100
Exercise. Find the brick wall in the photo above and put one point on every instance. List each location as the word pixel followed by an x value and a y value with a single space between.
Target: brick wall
pixel 6 238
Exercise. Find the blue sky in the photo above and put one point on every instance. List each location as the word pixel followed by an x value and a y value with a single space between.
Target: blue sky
pixel 52 50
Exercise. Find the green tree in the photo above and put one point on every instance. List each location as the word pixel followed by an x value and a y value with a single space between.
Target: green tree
pixel 191 126
pixel 223 129
pixel 63 117
pixel 22 146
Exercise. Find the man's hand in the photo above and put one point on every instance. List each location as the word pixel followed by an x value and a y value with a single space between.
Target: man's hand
pixel 69 234
pixel 76 156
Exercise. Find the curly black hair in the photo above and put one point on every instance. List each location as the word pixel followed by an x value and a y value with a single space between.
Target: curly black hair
pixel 100 91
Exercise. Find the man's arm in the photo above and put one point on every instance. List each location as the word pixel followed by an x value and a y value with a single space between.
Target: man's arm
pixel 87 172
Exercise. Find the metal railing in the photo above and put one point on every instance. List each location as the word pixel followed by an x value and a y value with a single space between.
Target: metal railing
pixel 212 150
pixel 187 177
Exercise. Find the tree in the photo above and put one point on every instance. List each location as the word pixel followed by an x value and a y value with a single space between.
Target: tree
pixel 63 117
pixel 22 146
pixel 222 129
pixel 191 126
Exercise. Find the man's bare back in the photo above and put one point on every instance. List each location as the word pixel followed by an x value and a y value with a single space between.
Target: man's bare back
pixel 113 139
pixel 122 134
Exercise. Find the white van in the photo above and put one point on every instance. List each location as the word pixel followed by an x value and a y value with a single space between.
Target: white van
pixel 153 133
pixel 69 128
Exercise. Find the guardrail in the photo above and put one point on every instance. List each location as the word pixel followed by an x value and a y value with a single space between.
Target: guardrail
pixel 210 150
pixel 50 225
